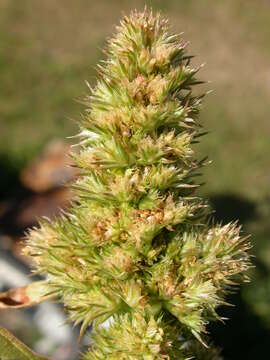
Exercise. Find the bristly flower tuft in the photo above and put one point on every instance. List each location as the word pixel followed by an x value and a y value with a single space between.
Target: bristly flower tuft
pixel 136 248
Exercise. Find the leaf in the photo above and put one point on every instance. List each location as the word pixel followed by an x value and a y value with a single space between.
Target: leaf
pixel 13 349
pixel 25 296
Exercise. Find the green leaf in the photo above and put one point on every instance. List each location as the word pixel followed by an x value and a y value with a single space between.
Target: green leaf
pixel 13 349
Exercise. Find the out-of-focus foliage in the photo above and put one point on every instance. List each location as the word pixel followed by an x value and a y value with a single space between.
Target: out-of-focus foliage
pixel 11 348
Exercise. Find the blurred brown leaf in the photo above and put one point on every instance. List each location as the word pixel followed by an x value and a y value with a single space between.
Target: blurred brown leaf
pixel 25 296
pixel 51 169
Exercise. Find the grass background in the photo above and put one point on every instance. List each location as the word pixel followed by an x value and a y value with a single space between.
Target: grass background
pixel 47 50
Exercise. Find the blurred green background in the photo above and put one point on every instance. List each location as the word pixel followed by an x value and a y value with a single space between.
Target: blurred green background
pixel 47 50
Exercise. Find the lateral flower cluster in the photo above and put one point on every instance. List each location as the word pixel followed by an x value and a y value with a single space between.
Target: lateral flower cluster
pixel 136 248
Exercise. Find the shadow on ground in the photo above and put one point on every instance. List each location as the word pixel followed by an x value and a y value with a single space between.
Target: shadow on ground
pixel 9 179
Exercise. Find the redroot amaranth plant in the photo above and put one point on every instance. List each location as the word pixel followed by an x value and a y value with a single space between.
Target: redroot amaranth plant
pixel 136 246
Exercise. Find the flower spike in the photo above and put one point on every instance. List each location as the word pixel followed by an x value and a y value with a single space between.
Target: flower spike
pixel 136 249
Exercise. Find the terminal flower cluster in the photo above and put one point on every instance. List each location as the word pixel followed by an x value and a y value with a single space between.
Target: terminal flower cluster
pixel 137 250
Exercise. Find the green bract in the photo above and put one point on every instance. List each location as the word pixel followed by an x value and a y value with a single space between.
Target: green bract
pixel 136 248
